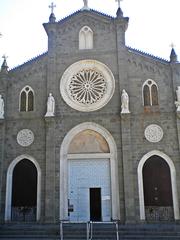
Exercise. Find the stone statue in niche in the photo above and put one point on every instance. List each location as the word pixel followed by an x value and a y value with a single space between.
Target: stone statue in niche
pixel 1 107
pixel 177 103
pixel 124 102
pixel 50 106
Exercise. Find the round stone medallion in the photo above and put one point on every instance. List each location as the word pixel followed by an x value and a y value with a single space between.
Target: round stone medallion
pixel 25 137
pixel 87 85
pixel 153 133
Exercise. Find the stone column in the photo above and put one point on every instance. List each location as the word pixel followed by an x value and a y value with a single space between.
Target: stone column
pixel 128 168
pixel 50 170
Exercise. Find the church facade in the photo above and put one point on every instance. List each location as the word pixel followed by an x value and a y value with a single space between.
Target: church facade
pixel 90 130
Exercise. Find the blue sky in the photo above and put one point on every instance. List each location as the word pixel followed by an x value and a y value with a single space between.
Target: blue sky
pixel 153 26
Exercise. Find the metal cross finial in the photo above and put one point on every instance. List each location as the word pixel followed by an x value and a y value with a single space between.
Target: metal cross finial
pixel 172 45
pixel 52 6
pixel 5 57
pixel 119 3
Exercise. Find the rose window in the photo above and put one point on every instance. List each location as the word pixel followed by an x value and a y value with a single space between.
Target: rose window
pixel 87 86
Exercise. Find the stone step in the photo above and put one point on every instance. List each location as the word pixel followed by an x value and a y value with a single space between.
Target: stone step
pixel 100 232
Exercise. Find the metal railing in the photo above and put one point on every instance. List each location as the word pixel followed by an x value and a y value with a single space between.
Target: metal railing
pixel 89 228
pixel 117 230
pixel 61 230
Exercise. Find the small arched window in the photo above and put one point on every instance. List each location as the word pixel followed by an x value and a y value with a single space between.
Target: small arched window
pixel 26 99
pixel 150 93
pixel 85 38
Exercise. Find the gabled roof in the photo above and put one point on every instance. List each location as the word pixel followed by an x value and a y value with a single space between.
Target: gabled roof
pixel 97 13
pixel 145 54
pixel 32 60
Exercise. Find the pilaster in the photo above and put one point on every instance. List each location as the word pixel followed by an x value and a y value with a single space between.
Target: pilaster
pixel 50 170
pixel 127 168
pixel 4 79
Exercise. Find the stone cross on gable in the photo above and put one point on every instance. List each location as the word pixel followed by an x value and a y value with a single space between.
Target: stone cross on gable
pixel 52 6
pixel 5 57
pixel 172 45
pixel 119 2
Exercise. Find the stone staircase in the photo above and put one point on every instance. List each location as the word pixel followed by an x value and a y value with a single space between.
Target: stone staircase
pixel 19 231
pixel 100 231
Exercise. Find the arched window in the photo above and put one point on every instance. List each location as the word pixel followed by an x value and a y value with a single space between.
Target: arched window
pixel 26 99
pixel 85 38
pixel 150 93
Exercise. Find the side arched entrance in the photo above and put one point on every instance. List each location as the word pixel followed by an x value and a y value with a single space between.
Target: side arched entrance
pixel 23 190
pixel 157 188
pixel 88 175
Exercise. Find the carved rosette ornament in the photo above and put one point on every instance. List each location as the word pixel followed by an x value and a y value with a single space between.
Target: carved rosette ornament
pixel 87 85
pixel 25 137
pixel 153 133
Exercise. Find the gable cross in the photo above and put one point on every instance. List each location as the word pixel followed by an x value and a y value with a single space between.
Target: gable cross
pixel 52 6
pixel 119 3
pixel 4 57
pixel 172 45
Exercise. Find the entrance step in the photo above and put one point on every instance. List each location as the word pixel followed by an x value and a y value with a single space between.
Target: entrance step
pixel 19 231
pixel 101 231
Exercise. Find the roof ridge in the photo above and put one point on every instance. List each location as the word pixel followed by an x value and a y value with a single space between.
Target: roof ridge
pixel 147 54
pixel 28 61
pixel 79 11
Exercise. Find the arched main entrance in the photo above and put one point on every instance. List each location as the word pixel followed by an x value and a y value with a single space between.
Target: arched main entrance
pixel 157 188
pixel 88 175
pixel 23 190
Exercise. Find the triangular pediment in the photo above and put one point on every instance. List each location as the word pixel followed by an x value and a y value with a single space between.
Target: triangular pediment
pixel 88 14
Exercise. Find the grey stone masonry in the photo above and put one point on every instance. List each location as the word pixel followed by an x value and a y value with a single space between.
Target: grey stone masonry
pixel 130 69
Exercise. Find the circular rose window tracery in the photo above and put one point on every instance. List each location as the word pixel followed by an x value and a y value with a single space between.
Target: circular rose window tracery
pixel 87 85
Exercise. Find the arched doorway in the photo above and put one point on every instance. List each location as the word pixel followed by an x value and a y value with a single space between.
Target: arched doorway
pixel 23 190
pixel 88 175
pixel 157 188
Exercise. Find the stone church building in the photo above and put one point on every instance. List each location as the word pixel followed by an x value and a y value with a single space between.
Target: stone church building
pixel 90 129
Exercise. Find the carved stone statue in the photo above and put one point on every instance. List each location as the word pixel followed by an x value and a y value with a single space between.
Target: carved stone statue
pixel 50 106
pixel 124 102
pixel 177 103
pixel 85 5
pixel 1 107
